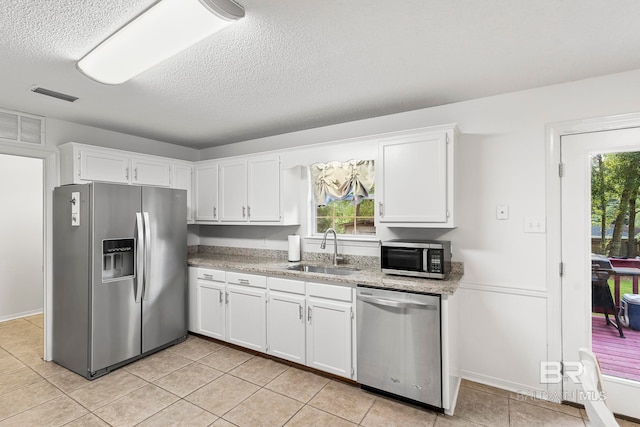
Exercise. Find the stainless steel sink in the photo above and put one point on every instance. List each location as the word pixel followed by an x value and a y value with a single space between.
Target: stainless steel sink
pixel 323 270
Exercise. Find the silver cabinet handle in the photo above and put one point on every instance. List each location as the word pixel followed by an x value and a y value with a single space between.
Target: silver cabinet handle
pixel 300 310
pixel 397 304
pixel 215 212
pixel 380 209
pixel 126 173
pixel 139 258
pixel 226 296
pixel 208 276
pixel 248 211
pixel 309 314
pixel 220 297
pixel 244 281
pixel 244 212
pixel 135 174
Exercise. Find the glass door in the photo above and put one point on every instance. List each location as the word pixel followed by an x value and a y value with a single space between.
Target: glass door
pixel 584 257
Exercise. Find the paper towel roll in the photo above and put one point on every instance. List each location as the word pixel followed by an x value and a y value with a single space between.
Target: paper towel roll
pixel 294 248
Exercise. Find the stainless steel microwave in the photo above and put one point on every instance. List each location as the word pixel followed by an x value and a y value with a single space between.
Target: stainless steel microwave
pixel 418 258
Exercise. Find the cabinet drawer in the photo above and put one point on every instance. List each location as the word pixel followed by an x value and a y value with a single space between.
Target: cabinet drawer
pixel 321 290
pixel 247 279
pixel 213 275
pixel 286 285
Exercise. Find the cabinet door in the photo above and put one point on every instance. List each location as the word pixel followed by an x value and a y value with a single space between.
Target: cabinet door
pixel 329 336
pixel 211 309
pixel 263 191
pixel 247 317
pixel 182 180
pixel 233 191
pixel 150 172
pixel 99 166
pixel 286 326
pixel 413 181
pixel 207 192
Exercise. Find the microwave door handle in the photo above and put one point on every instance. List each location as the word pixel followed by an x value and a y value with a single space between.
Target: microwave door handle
pixel 139 258
pixel 396 304
pixel 425 261
pixel 147 255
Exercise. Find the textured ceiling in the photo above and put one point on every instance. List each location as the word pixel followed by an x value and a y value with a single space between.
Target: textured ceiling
pixel 291 64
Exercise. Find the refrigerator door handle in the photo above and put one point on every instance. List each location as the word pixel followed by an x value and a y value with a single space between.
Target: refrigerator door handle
pixel 147 254
pixel 139 258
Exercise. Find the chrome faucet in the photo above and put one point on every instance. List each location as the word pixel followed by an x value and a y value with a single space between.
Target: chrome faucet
pixel 335 244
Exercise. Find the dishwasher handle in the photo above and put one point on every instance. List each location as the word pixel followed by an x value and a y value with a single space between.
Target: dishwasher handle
pixel 397 304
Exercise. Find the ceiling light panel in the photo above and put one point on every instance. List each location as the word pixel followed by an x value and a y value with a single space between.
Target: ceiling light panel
pixel 164 30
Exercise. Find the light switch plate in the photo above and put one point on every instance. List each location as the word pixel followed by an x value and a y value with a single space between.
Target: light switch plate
pixel 502 212
pixel 535 224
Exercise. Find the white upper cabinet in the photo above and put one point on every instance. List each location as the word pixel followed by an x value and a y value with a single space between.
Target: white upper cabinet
pixel 97 165
pixel 414 178
pixel 81 164
pixel 206 192
pixel 149 171
pixel 263 189
pixel 182 178
pixel 233 191
pixel 252 190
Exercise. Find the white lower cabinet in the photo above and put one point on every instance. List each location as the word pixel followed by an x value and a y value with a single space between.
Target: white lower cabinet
pixel 286 324
pixel 330 329
pixel 247 311
pixel 211 307
pixel 192 301
pixel 307 323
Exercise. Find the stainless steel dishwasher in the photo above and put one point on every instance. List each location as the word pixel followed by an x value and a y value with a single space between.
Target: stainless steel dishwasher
pixel 399 349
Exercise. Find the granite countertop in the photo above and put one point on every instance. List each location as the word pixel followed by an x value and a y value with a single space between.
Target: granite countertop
pixel 368 276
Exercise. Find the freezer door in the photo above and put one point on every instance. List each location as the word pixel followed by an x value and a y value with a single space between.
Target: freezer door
pixel 115 315
pixel 164 302
pixel 71 276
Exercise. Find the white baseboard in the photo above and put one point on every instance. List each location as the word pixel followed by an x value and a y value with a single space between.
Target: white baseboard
pixel 20 315
pixel 501 383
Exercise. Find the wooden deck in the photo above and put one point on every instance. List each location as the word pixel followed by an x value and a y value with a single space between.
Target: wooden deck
pixel 619 357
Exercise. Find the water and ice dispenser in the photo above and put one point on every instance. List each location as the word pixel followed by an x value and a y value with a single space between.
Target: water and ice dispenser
pixel 118 259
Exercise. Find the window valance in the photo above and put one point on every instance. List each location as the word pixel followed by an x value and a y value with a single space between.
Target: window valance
pixel 342 180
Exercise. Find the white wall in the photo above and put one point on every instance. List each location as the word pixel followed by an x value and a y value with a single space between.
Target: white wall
pixel 60 131
pixel 501 160
pixel 21 228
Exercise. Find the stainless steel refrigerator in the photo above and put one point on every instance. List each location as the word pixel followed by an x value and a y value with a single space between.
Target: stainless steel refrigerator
pixel 119 274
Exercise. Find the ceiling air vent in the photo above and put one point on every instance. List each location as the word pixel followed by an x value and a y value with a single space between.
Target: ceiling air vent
pixel 54 94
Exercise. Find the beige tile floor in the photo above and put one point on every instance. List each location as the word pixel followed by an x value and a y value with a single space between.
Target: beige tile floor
pixel 202 383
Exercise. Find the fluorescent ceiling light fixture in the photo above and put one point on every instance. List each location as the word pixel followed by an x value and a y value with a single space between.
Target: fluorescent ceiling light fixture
pixel 165 29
